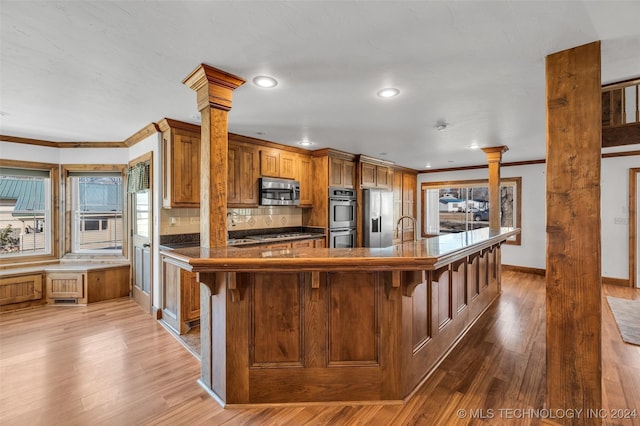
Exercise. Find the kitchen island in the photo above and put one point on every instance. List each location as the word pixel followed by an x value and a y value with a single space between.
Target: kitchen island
pixel 320 325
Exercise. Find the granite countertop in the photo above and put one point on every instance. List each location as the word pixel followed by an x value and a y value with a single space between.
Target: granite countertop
pixel 245 238
pixel 428 253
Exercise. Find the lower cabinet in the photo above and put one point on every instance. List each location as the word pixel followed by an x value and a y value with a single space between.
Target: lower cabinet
pixel 67 287
pixel 191 297
pixel 309 243
pixel 302 244
pixel 78 284
pixel 181 297
pixel 107 284
pixel 63 284
pixel 21 291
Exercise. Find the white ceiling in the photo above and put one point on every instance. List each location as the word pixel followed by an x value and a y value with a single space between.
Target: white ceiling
pixel 102 70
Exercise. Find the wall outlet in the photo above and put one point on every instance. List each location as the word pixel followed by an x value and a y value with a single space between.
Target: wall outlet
pixel 194 220
pixel 620 221
pixel 173 221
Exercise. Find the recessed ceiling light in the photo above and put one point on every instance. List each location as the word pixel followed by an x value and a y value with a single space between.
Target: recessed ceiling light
pixel 382 153
pixel 388 92
pixel 428 165
pixel 260 133
pixel 441 125
pixel 265 81
pixel 4 113
pixel 474 145
pixel 305 142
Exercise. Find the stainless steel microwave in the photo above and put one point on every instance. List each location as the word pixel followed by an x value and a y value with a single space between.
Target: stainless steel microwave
pixel 279 192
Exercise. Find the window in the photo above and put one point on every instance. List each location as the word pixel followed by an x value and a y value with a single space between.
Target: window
pixel 458 206
pixel 26 211
pixel 95 200
pixel 97 203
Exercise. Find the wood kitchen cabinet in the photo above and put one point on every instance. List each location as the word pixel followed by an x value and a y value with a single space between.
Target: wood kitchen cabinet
pixel 243 174
pixel 109 283
pixel 180 164
pixel 341 172
pixel 21 290
pixel 288 163
pixel 409 182
pixel 251 158
pixel 181 297
pixel 331 168
pixel 190 309
pixel 375 173
pixel 305 176
pixel 89 283
pixel 277 163
pixel 67 286
pixel 270 162
pixel 404 204
pixel 302 244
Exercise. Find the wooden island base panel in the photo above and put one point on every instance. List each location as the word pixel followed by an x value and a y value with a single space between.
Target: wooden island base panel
pixel 338 325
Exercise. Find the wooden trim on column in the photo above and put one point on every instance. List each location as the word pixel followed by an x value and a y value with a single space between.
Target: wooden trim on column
pixel 574 311
pixel 494 156
pixel 214 89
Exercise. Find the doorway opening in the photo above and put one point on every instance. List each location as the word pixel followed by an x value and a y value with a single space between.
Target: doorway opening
pixel 141 202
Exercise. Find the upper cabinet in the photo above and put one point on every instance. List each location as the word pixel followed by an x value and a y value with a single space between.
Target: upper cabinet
pixel 375 173
pixel 243 174
pixel 305 176
pixel 250 158
pixel 404 203
pixel 180 164
pixel 342 172
pixel 277 163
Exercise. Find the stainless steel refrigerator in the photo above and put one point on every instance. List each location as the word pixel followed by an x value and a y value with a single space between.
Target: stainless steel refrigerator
pixel 378 217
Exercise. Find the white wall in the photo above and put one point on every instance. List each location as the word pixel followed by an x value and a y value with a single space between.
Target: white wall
pixel 532 252
pixel 614 198
pixel 46 154
pixel 153 144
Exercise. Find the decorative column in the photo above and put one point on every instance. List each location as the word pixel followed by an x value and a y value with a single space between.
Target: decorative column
pixel 494 156
pixel 214 89
pixel 574 323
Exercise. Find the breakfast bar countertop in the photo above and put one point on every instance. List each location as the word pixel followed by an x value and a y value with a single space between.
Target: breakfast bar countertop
pixel 427 253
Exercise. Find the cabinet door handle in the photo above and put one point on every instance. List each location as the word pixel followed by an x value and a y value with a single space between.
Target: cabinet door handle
pixel 146 245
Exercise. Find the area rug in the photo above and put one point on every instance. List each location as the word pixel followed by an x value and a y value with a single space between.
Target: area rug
pixel 627 315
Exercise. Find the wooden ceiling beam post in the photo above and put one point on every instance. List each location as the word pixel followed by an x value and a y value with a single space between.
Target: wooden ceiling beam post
pixel 214 89
pixel 494 157
pixel 574 322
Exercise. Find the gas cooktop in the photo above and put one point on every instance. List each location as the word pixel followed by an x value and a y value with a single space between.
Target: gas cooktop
pixel 280 236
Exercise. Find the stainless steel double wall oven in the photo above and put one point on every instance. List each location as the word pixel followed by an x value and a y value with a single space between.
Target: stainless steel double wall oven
pixel 342 217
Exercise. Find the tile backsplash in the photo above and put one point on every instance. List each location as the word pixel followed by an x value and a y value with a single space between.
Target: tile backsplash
pixel 179 221
pixel 187 221
pixel 263 217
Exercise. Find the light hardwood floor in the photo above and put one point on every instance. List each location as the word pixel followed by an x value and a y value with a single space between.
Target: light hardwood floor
pixel 110 363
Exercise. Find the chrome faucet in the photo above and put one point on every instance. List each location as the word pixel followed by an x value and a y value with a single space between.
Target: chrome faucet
pixel 234 216
pixel 398 228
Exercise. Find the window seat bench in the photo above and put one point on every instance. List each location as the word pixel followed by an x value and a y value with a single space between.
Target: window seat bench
pixel 63 283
